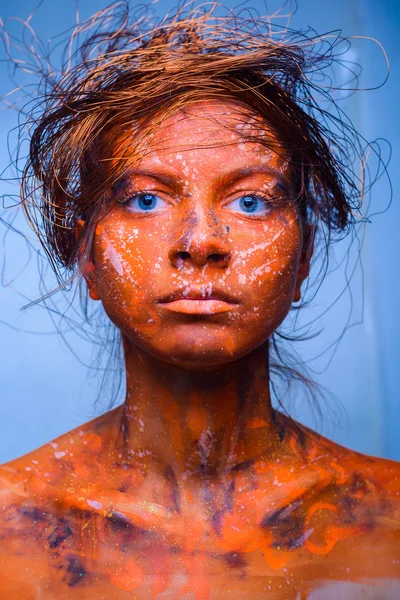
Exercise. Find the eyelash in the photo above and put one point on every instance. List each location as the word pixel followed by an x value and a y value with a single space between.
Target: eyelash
pixel 131 196
pixel 267 200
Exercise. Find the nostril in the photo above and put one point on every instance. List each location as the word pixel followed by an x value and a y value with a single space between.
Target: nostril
pixel 218 258
pixel 215 257
pixel 183 255
pixel 222 258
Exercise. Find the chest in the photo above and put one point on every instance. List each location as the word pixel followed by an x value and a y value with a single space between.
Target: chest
pixel 83 556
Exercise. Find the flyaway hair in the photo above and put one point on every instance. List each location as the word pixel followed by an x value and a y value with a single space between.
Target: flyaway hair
pixel 131 72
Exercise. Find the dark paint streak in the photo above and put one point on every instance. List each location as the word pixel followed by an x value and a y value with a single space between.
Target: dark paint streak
pixel 125 466
pixel 358 484
pixel 171 478
pixel 126 534
pixel 33 513
pixel 235 560
pixel 75 571
pixel 242 466
pixel 61 532
pixel 217 521
pixel 228 496
pixel 280 515
pixel 287 527
pixel 347 505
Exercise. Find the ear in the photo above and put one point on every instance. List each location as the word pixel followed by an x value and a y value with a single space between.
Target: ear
pixel 305 258
pixel 89 268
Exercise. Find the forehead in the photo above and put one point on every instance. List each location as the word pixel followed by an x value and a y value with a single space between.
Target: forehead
pixel 208 132
pixel 210 122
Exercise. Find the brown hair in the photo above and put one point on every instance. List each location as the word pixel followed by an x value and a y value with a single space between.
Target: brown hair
pixel 141 68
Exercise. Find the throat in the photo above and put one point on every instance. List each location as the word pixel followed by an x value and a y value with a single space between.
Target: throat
pixel 196 425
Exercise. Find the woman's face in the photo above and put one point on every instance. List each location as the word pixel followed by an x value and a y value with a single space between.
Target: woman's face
pixel 198 260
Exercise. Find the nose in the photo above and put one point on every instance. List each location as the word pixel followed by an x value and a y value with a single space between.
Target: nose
pixel 203 242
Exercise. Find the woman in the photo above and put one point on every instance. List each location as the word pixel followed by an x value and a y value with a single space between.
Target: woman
pixel 181 171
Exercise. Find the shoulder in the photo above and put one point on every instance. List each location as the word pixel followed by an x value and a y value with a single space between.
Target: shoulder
pixel 39 473
pixel 359 487
pixel 350 513
pixel 39 494
pixel 361 469
pixel 364 494
pixel 385 473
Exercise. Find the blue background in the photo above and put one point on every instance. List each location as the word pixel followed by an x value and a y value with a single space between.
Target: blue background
pixel 46 389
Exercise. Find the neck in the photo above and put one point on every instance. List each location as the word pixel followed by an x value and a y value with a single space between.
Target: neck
pixel 197 424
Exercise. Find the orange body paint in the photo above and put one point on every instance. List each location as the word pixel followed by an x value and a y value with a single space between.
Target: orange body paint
pixel 195 487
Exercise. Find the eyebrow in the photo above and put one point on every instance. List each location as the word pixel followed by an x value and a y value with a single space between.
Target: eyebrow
pixel 167 180
pixel 228 179
pixel 222 181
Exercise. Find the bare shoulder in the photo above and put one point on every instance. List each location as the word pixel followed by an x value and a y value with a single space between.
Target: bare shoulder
pixel 382 472
pixel 40 493
pixel 38 473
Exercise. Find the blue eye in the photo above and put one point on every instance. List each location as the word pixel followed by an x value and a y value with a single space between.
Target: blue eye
pixel 144 202
pixel 250 204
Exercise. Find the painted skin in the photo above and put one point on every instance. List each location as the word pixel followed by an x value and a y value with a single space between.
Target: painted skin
pixel 195 487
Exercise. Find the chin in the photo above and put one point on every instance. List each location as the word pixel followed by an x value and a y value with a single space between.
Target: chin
pixel 204 363
pixel 204 356
pixel 188 358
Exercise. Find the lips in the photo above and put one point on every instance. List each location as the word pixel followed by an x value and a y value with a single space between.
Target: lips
pixel 193 302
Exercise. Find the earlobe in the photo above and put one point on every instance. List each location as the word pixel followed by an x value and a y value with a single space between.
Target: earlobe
pixel 90 275
pixel 302 274
pixel 93 293
pixel 305 259
pixel 88 268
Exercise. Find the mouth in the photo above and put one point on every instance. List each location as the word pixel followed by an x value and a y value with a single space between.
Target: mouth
pixel 194 302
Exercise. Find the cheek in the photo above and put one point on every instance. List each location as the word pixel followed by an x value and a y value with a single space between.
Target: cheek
pixel 268 265
pixel 126 261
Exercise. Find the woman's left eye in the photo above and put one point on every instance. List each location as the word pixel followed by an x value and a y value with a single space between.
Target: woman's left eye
pixel 144 202
pixel 250 204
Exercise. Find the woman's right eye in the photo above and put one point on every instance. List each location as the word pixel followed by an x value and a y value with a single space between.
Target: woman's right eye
pixel 144 202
